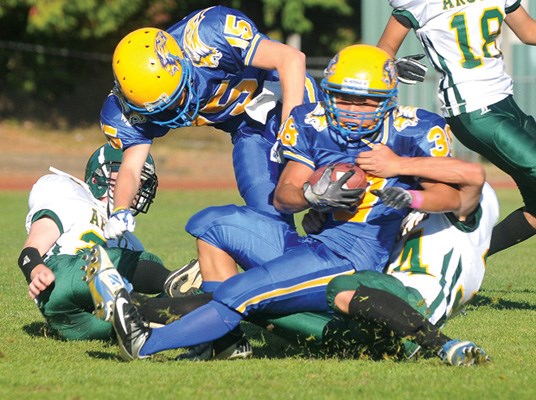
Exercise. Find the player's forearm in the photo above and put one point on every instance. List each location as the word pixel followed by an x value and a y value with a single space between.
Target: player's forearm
pixel 292 76
pixel 125 189
pixel 292 86
pixel 523 25
pixel 392 37
pixel 438 198
pixel 443 169
pixel 290 66
pixel 289 199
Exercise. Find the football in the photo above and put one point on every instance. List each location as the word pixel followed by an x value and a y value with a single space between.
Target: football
pixel 357 181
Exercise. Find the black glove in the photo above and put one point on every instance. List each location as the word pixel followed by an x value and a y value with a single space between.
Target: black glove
pixel 394 197
pixel 411 71
pixel 327 195
pixel 313 221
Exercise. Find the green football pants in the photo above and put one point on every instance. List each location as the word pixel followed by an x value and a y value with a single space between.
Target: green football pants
pixel 505 136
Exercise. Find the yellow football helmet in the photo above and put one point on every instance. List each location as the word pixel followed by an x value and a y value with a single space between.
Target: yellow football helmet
pixel 362 71
pixel 155 78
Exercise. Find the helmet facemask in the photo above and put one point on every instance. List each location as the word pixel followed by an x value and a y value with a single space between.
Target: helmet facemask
pixel 353 125
pixel 356 74
pixel 101 173
pixel 147 190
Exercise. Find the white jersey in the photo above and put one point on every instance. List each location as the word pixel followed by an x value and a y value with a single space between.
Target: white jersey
pixel 462 40
pixel 79 216
pixel 443 258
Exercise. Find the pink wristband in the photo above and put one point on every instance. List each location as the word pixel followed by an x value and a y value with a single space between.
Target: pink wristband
pixel 417 198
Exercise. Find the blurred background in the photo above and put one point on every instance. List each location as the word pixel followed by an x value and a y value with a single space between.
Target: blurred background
pixel 55 56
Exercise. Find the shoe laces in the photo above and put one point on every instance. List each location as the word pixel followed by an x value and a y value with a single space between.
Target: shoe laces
pixel 138 325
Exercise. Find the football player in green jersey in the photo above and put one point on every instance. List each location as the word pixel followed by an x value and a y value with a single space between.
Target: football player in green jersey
pixel 461 40
pixel 66 216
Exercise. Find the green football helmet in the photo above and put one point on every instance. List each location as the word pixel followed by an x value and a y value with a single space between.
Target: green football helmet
pixel 106 160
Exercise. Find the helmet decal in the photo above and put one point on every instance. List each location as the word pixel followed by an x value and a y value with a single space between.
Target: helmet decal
pixel 330 69
pixel 168 60
pixel 200 53
pixel 389 73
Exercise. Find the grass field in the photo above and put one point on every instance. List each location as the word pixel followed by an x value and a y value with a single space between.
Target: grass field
pixel 502 320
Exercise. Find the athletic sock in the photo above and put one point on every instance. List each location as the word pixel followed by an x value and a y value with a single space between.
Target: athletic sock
pixel 398 316
pixel 149 277
pixel 203 325
pixel 163 310
pixel 510 231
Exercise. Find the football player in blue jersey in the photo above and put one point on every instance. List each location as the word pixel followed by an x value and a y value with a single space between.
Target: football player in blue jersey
pixel 213 68
pixel 285 272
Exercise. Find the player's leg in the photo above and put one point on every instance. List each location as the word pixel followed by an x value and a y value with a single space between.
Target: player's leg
pixel 137 340
pixel 249 237
pixel 230 235
pixel 103 280
pixel 144 270
pixel 507 138
pixel 256 174
pixel 295 282
pixel 385 301
pixel 65 306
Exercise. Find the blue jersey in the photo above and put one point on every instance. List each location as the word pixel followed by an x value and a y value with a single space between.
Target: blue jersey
pixel 369 232
pixel 234 96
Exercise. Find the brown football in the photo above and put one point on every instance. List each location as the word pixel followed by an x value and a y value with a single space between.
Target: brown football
pixel 357 181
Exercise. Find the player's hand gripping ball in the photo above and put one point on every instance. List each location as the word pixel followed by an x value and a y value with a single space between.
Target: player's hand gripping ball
pixel 356 181
pixel 335 186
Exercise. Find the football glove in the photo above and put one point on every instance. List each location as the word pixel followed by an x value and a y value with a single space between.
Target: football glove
pixel 327 195
pixel 410 70
pixel 411 220
pixel 119 222
pixel 313 221
pixel 394 197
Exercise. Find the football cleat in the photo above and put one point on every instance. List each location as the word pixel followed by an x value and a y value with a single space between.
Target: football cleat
pixel 185 281
pixel 201 352
pixel 237 351
pixel 103 280
pixel 132 331
pixel 462 353
pixel 226 348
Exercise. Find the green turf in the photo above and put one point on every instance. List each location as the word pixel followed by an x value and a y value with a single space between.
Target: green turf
pixel 33 366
